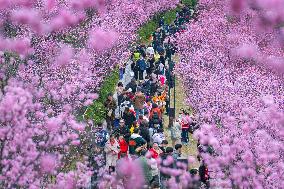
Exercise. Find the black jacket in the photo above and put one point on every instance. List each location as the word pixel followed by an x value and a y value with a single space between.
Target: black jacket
pixel 144 132
pixel 129 118
pixel 124 131
pixel 131 85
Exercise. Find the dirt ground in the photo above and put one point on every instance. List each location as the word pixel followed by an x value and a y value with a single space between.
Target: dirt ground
pixel 191 148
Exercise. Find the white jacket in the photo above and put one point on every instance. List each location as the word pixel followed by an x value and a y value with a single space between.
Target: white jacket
pixel 158 138
pixel 154 167
pixel 111 153
pixel 176 130
pixel 150 50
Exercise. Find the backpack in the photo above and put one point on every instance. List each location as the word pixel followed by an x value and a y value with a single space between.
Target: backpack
pixel 101 138
pixel 155 118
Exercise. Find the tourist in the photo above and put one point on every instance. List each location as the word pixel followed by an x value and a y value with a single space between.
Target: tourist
pixel 135 69
pixel 185 124
pixel 120 173
pixel 141 63
pixel 123 146
pixel 112 150
pixel 155 115
pixel 151 65
pixel 154 170
pixel 146 86
pixel 164 145
pixel 135 141
pixel 139 101
pixel 152 130
pixel 110 106
pixel 168 47
pixel 153 85
pixel 135 125
pixel 140 119
pixel 143 162
pixel 204 174
pixel 176 132
pixel 132 85
pixel 159 136
pixel 136 56
pixel 150 51
pixel 123 130
pixel 155 151
pixel 155 185
pixel 167 164
pixel 177 152
pixel 128 117
pixel 144 131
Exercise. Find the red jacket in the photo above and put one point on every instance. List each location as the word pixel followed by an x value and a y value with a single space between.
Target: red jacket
pixel 123 146
pixel 155 110
pixel 154 153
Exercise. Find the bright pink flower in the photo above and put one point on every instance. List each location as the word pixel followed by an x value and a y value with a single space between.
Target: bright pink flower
pixel 53 124
pixel 101 40
pixel 48 163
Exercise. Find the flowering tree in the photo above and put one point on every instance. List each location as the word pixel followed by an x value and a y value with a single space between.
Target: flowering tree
pixel 232 69
pixel 54 56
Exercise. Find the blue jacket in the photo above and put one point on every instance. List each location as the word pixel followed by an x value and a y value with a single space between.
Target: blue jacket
pixel 142 64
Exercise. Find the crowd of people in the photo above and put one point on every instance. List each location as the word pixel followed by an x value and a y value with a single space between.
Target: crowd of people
pixel 134 113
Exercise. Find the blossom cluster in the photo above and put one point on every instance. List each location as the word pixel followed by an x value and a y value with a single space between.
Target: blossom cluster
pixel 232 70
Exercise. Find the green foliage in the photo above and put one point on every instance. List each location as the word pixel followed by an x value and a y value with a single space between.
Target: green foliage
pixel 146 31
pixel 190 3
pixel 109 85
pixel 96 111
pixel 169 16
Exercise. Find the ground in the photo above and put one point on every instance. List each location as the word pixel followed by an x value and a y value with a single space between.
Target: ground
pixel 191 149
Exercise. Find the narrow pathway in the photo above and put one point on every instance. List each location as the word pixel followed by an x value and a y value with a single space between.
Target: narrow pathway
pixel 179 98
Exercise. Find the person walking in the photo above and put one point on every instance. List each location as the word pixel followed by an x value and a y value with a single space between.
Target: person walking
pixel 144 131
pixel 177 153
pixel 159 137
pixel 139 101
pixel 155 151
pixel 132 85
pixel 142 66
pixel 122 130
pixel 150 51
pixel 111 150
pixel 176 132
pixel 143 162
pixel 123 146
pixel 110 106
pixel 155 115
pixel 135 141
pixel 204 174
pixel 164 157
pixel 128 117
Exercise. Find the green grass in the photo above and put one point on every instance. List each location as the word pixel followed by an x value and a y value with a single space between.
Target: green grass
pixel 190 3
pixel 96 111
pixel 169 16
pixel 147 29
